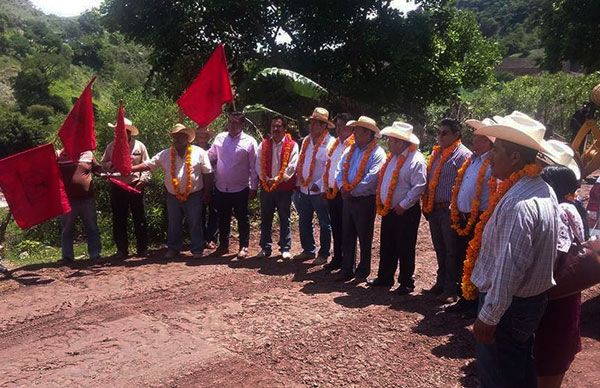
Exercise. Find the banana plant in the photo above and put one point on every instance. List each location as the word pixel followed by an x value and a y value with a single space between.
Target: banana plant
pixel 294 82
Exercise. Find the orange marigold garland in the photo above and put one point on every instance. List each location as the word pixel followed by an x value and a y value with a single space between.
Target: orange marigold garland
pixel 383 208
pixel 429 195
pixel 469 290
pixel 331 192
pixel 288 145
pixel 475 205
pixel 311 169
pixel 349 186
pixel 188 174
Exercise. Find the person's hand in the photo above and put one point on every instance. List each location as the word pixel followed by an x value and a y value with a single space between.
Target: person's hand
pixel 251 195
pixel 399 210
pixel 483 332
pixel 139 185
pixel 314 187
pixel 270 181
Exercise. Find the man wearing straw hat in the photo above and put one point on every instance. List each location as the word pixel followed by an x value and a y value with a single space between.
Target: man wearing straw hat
pixel 122 201
pixel 514 249
pixel 236 181
pixel 357 180
pixel 335 204
pixel 308 198
pixel 470 197
pixel 188 180
pixel 401 182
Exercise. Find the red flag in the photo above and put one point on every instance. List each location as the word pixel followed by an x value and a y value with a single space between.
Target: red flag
pixel 204 98
pixel 77 132
pixel 121 157
pixel 124 186
pixel 32 186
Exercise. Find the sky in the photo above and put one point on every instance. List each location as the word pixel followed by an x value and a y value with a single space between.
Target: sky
pixel 76 7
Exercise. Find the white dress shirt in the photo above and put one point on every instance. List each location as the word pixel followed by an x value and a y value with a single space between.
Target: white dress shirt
pixel 319 170
pixel 468 188
pixel 276 161
pixel 412 180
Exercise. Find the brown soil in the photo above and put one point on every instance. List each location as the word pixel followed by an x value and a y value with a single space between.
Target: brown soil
pixel 225 322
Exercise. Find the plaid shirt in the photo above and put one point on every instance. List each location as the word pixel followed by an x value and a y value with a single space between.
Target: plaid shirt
pixel 518 248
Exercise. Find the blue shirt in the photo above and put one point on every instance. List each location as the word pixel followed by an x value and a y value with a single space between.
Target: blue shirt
pixel 368 183
pixel 467 191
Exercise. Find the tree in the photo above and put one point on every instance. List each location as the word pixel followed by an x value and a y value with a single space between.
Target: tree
pixel 372 58
pixel 570 32
pixel 19 133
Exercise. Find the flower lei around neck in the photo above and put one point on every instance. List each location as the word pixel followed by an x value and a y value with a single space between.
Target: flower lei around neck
pixel 476 204
pixel 429 195
pixel 267 147
pixel 383 208
pixel 188 173
pixel 308 180
pixel 362 166
pixel 468 288
pixel 331 192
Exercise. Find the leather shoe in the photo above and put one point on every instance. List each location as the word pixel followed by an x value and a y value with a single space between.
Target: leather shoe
pixel 343 277
pixel 403 290
pixel 361 275
pixel 378 282
pixel 221 251
pixel 447 298
pixel 331 266
pixel 435 290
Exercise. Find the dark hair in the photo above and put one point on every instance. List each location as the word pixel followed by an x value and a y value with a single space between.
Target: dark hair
pixel 527 154
pixel 454 125
pixel 563 181
pixel 345 117
pixel 284 121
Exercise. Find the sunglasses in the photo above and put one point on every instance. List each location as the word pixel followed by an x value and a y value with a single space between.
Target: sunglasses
pixel 443 133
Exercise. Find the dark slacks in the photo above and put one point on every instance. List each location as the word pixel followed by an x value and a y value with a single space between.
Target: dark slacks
pixel 122 202
pixel 397 245
pixel 508 362
pixel 444 243
pixel 335 207
pixel 236 203
pixel 358 222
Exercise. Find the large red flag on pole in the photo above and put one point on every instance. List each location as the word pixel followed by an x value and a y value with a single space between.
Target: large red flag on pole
pixel 121 156
pixel 77 132
pixel 33 187
pixel 204 98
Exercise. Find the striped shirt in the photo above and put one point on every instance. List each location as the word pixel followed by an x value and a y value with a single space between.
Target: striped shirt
pixel 412 179
pixel 443 191
pixel 518 248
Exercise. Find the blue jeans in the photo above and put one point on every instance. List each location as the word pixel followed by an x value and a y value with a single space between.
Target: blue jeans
pixel 307 205
pixel 269 202
pixel 86 210
pixel 508 362
pixel 192 210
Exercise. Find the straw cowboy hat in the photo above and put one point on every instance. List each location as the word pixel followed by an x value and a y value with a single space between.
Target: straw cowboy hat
pixel 128 126
pixel 401 130
pixel 177 128
pixel 321 114
pixel 365 122
pixel 517 128
pixel 476 124
pixel 561 153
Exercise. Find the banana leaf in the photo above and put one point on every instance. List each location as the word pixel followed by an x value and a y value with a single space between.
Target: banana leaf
pixel 295 82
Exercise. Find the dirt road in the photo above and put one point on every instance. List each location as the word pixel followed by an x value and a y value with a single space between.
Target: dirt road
pixel 224 322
